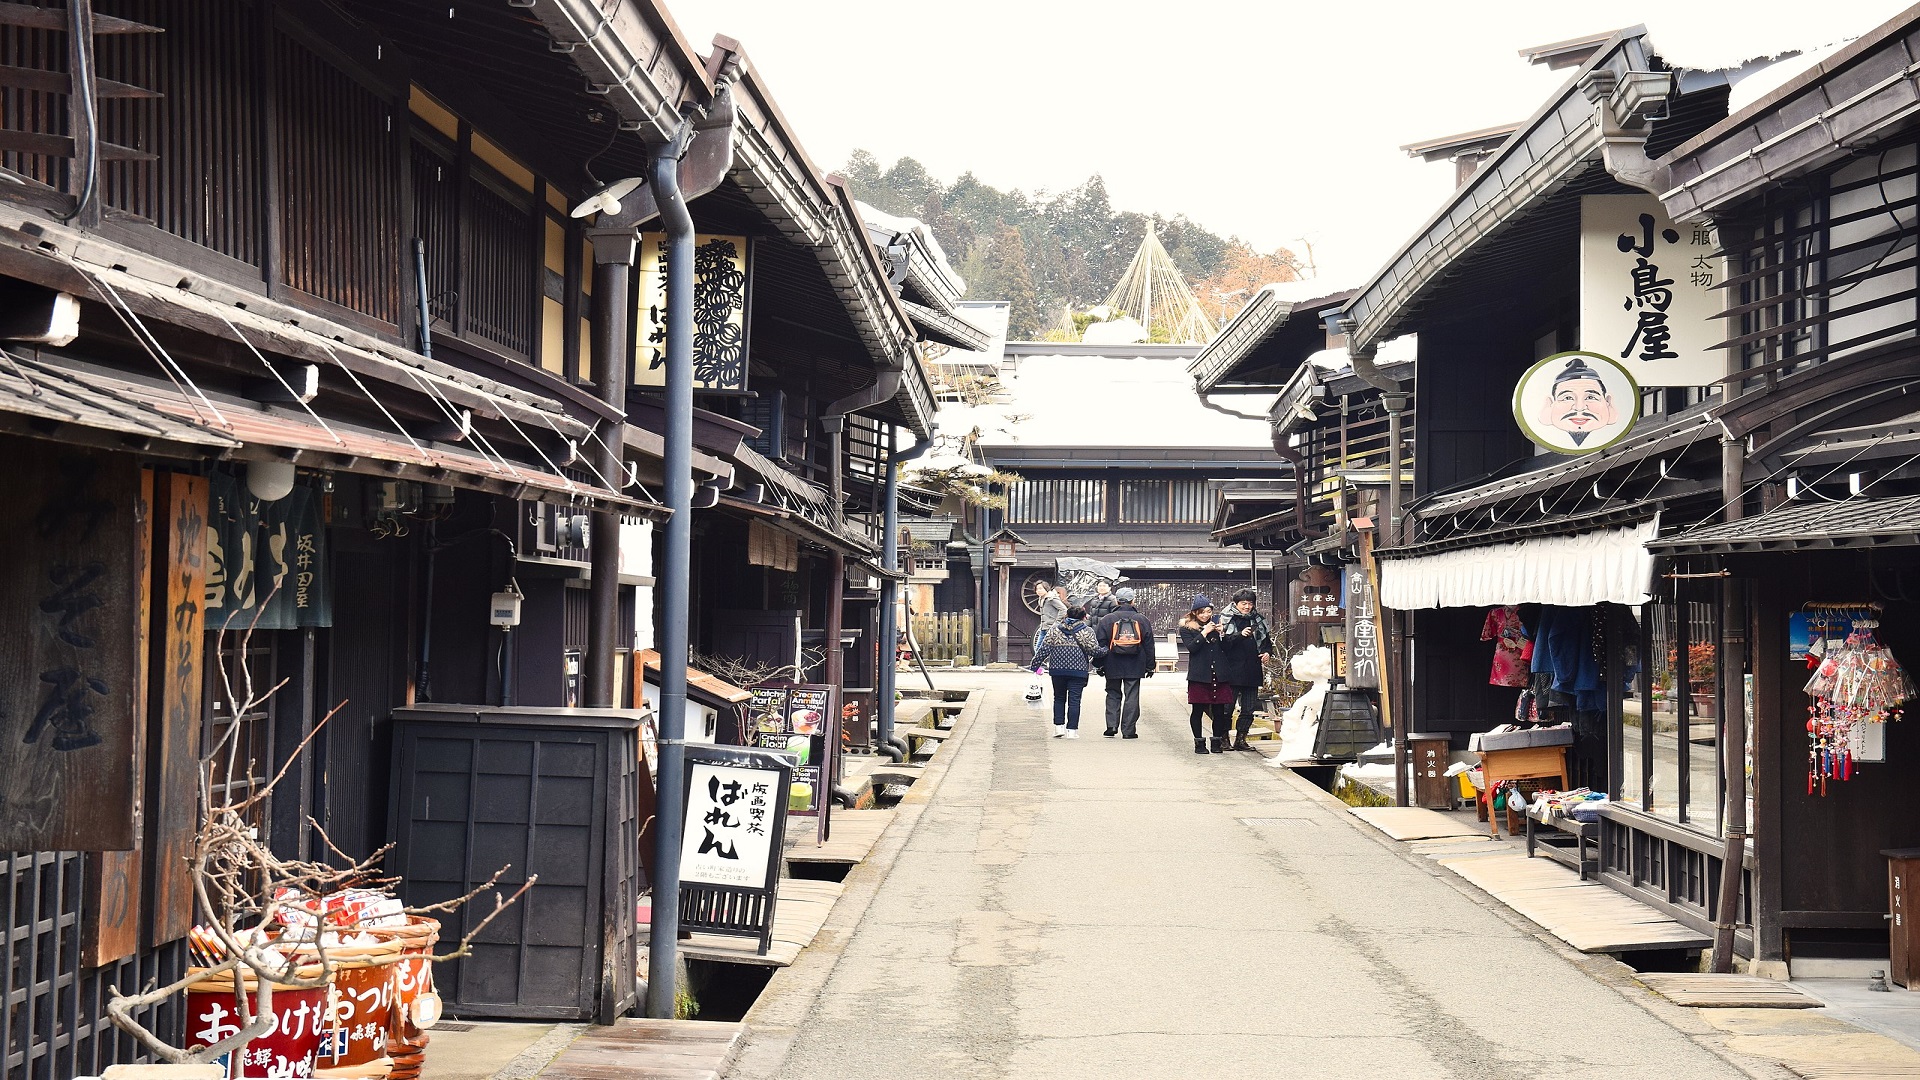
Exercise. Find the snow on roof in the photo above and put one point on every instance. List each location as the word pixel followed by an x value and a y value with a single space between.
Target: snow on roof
pixel 1125 330
pixel 1774 76
pixel 1299 292
pixel 1116 400
pixel 883 221
pixel 1702 37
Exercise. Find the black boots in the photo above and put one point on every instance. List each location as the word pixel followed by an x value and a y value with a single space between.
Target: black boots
pixel 1199 746
pixel 1219 746
pixel 1241 743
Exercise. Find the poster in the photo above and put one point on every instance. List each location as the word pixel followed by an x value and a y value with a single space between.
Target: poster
pixel 732 824
pixel 719 313
pixel 1647 296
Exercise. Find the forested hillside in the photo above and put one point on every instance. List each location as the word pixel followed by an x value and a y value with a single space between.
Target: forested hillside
pixel 1046 252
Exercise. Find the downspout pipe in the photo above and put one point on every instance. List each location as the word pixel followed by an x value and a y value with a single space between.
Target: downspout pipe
pixel 890 590
pixel 677 563
pixel 1733 735
pixel 613 253
pixel 833 418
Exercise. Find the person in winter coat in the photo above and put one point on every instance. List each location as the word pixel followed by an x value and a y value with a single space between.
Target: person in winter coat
pixel 1208 693
pixel 1245 643
pixel 1101 603
pixel 1124 655
pixel 1068 654
pixel 1052 604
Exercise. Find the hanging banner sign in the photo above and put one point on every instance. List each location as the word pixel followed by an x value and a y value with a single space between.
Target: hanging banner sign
pixel 719 313
pixel 293 563
pixel 1647 296
pixel 1576 402
pixel 734 832
pixel 1363 639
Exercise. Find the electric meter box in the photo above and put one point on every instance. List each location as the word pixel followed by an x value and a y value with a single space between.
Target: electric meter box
pixel 505 609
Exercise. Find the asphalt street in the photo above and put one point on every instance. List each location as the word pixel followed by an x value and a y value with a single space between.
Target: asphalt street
pixel 1107 908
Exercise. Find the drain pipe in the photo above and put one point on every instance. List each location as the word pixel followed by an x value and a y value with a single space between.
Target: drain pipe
pixel 890 593
pixel 1396 397
pixel 663 956
pixel 1733 662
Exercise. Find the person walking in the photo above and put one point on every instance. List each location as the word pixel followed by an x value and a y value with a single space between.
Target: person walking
pixel 1208 693
pixel 1101 603
pixel 1123 654
pixel 1052 606
pixel 1245 643
pixel 1068 653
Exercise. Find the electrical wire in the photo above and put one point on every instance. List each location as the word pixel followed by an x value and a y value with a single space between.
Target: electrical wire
pixel 84 86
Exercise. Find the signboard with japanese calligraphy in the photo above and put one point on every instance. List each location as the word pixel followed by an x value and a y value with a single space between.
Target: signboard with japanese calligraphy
pixel 1576 402
pixel 719 313
pixel 1647 296
pixel 733 836
pixel 1363 632
pixel 70 551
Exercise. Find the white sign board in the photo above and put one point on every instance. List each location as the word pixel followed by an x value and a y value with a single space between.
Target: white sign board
pixel 1647 294
pixel 730 825
pixel 719 313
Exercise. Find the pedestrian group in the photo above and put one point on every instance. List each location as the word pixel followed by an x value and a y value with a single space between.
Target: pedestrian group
pixel 1107 635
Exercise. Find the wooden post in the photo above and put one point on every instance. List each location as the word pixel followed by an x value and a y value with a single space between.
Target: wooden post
pixel 1000 643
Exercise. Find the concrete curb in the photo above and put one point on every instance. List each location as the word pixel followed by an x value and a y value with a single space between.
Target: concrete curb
pixel 774 1021
pixel 1602 968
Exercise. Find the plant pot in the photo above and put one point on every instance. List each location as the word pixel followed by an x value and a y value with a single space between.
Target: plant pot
pixel 1704 706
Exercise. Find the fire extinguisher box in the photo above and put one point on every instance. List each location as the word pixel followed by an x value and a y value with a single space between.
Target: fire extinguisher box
pixel 1902 865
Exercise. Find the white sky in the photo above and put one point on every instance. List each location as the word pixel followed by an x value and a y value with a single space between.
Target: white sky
pixel 1271 119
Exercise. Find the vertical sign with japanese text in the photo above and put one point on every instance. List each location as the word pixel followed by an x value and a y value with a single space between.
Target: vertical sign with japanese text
pixel 69 553
pixel 1363 637
pixel 1647 296
pixel 730 824
pixel 719 313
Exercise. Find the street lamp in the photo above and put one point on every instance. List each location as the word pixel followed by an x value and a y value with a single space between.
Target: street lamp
pixel 1003 549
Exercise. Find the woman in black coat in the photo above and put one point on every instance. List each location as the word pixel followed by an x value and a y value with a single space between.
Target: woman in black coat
pixel 1245 644
pixel 1208 692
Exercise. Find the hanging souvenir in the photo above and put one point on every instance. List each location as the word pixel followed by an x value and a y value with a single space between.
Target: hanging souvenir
pixel 1854 681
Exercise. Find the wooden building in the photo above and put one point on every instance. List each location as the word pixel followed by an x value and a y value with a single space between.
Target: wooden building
pixel 297 339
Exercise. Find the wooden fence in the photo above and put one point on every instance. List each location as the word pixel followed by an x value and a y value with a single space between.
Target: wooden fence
pixel 944 635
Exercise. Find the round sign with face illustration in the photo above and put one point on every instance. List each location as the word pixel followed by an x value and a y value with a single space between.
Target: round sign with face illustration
pixel 1576 402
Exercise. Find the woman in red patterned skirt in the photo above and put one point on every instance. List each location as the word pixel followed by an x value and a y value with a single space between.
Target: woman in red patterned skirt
pixel 1208 693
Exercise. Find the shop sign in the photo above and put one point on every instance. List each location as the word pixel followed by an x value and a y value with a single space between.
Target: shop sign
pixel 1576 402
pixel 732 837
pixel 1647 296
pixel 1363 638
pixel 266 561
pixel 71 561
pixel 719 313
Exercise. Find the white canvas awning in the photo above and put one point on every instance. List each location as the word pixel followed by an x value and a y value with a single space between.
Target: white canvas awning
pixel 1606 566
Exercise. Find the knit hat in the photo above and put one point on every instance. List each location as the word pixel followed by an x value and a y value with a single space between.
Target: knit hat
pixel 1123 595
pixel 1200 602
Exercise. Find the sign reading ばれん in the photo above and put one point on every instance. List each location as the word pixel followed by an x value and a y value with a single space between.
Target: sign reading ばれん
pixel 734 831
pixel 719 313
pixel 1647 296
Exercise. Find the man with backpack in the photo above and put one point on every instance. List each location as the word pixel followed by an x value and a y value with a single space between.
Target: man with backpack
pixel 1125 655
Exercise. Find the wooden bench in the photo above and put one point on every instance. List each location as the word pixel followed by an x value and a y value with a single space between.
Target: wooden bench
pixel 918 737
pixel 1584 834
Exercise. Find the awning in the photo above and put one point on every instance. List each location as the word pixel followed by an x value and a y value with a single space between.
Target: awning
pixel 42 400
pixel 947 329
pixel 1849 523
pixel 1607 566
pixel 255 430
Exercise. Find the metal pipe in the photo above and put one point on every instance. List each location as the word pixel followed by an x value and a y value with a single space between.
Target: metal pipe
pixel 420 295
pixel 423 671
pixel 1733 734
pixel 676 568
pixel 611 272
pixel 888 682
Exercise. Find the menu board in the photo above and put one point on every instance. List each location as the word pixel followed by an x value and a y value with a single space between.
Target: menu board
pixel 798 718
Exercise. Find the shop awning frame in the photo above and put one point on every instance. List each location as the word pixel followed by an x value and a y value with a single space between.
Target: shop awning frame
pixel 1808 526
pixel 1603 566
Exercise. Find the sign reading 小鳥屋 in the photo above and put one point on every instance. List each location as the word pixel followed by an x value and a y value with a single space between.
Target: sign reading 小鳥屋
pixel 1647 295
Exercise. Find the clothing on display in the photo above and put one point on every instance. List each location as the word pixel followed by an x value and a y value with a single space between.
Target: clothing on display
pixel 1512 647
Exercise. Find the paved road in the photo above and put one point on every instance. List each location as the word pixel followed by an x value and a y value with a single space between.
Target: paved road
pixel 1102 909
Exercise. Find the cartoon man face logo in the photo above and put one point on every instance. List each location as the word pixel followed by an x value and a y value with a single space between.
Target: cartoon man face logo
pixel 1578 403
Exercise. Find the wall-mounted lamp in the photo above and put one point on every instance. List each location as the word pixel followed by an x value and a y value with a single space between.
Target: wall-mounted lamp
pixel 269 481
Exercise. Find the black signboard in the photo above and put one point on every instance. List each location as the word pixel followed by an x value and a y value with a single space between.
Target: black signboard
pixel 732 839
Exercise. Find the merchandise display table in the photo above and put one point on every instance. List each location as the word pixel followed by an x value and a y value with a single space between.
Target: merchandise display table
pixel 1520 763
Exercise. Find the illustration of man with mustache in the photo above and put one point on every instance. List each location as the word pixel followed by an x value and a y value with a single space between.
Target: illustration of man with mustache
pixel 1578 402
